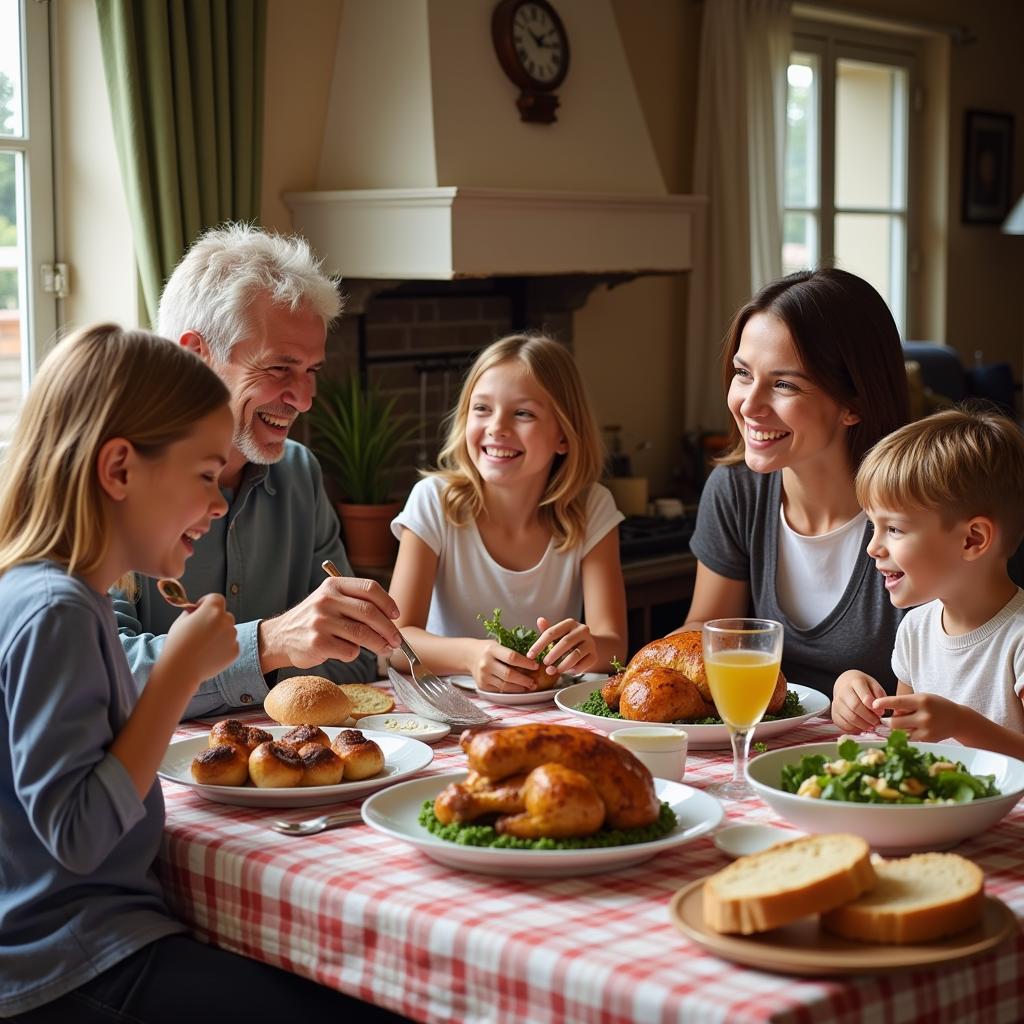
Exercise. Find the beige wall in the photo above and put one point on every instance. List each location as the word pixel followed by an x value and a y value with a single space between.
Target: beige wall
pixel 635 333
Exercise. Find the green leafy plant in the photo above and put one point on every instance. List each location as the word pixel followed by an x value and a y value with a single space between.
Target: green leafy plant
pixel 356 433
pixel 519 639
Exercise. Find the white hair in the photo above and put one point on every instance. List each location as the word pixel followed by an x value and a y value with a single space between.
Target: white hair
pixel 227 269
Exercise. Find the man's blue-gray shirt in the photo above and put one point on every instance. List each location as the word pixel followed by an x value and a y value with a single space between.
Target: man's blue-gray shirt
pixel 265 557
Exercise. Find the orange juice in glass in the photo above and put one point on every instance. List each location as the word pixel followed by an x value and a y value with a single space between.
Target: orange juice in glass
pixel 741 659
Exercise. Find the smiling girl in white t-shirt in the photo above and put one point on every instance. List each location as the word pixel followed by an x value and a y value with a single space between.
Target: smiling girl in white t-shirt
pixel 514 519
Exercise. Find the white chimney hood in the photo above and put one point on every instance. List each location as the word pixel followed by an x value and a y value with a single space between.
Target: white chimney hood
pixel 427 172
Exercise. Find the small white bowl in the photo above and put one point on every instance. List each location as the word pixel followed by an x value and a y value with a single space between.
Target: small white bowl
pixel 661 748
pixel 404 724
pixel 741 840
pixel 900 828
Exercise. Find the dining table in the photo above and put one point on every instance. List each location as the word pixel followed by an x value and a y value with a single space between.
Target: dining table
pixel 372 916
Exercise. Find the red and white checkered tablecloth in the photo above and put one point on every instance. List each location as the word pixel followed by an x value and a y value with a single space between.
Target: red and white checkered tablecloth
pixel 375 918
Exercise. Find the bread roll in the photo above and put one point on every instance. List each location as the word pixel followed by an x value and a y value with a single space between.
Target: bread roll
pixel 321 766
pixel 225 764
pixel 363 758
pixel 367 700
pixel 304 734
pixel 917 899
pixel 308 700
pixel 248 737
pixel 275 766
pixel 792 880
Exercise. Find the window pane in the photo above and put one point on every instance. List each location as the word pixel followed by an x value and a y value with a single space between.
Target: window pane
pixel 802 126
pixel 799 241
pixel 874 246
pixel 871 135
pixel 11 119
pixel 12 256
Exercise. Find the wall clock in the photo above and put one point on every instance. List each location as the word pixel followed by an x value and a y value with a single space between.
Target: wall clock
pixel 533 50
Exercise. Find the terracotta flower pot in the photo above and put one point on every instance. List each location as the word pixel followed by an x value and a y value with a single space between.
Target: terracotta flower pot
pixel 366 531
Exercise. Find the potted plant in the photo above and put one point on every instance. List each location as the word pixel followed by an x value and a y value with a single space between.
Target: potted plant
pixel 356 433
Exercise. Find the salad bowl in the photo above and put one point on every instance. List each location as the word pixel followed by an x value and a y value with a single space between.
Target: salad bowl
pixel 893 827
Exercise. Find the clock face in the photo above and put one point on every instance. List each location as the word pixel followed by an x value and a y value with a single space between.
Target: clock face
pixel 539 42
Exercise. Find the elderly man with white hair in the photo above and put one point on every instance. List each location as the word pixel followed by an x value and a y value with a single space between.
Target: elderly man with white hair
pixel 255 306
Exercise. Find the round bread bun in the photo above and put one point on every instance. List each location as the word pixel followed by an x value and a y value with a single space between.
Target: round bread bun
pixel 308 700
pixel 367 700
pixel 225 764
pixel 362 757
pixel 302 735
pixel 275 766
pixel 321 766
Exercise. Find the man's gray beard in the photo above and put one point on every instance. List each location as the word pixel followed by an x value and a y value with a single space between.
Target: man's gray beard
pixel 253 451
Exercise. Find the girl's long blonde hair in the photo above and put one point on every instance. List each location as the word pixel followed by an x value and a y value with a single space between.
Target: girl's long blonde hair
pixel 563 503
pixel 101 382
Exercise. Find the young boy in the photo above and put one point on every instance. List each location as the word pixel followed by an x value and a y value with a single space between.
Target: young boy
pixel 946 497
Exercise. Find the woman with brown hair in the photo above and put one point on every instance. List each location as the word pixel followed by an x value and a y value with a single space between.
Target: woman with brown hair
pixel 814 377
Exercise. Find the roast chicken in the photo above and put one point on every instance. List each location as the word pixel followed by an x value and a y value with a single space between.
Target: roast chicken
pixel 665 681
pixel 549 780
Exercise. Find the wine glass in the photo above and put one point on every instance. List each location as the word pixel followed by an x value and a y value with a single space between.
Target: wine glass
pixel 741 659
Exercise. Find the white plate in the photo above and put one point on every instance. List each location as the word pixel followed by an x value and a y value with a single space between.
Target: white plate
pixel 702 737
pixel 427 731
pixel 402 757
pixel 741 840
pixel 469 683
pixel 395 812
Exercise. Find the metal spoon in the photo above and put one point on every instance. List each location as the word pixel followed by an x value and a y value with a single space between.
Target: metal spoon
pixel 313 825
pixel 174 593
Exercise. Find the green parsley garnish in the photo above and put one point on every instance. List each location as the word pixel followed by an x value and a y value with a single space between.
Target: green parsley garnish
pixel 520 639
pixel 473 834
pixel 791 707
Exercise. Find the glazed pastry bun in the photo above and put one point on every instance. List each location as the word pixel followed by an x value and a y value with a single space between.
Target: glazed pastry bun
pixel 321 766
pixel 308 700
pixel 303 734
pixel 275 766
pixel 362 757
pixel 231 730
pixel 225 764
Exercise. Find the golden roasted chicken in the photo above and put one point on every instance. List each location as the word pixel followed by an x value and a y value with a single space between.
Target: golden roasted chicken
pixel 665 681
pixel 549 780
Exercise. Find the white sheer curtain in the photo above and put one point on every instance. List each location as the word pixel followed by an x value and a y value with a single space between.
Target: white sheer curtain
pixel 738 165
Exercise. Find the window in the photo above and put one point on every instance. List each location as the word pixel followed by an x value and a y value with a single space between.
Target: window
pixel 847 164
pixel 27 312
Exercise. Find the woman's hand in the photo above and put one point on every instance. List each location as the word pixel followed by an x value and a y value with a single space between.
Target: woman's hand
pixel 854 699
pixel 499 669
pixel 574 647
pixel 202 641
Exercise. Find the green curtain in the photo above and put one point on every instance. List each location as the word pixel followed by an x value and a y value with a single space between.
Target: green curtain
pixel 185 80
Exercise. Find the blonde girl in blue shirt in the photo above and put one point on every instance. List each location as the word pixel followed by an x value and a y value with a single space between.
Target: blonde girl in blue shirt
pixel 514 519
pixel 113 469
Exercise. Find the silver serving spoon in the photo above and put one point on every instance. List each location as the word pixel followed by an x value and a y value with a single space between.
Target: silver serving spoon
pixel 313 825
pixel 174 593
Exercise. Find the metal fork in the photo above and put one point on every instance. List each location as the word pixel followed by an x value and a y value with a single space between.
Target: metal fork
pixel 452 708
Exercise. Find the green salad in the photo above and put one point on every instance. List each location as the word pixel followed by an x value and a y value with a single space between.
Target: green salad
pixel 475 834
pixel 791 707
pixel 894 774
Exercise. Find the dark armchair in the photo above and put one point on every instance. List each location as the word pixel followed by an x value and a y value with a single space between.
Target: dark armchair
pixel 943 373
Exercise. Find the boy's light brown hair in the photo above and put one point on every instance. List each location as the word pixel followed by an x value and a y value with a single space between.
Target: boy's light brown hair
pixel 959 463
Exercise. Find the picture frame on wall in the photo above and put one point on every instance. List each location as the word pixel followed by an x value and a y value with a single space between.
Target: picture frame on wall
pixel 988 170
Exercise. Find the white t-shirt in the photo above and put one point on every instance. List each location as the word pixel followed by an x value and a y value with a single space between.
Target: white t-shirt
pixel 814 572
pixel 983 669
pixel 470 582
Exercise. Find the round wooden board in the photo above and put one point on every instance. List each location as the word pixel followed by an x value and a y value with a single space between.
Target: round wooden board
pixel 805 949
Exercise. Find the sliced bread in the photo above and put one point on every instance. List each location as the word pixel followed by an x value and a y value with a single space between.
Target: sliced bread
pixel 367 700
pixel 776 886
pixel 917 899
